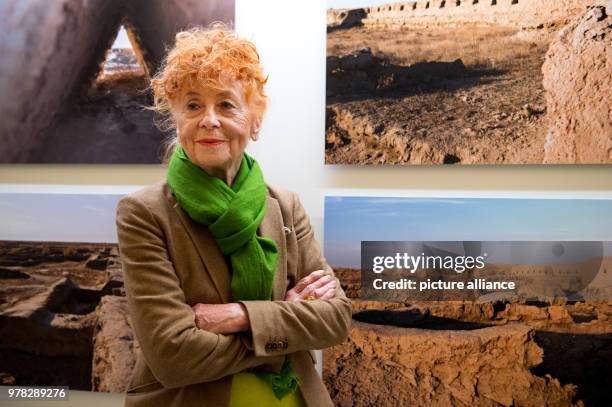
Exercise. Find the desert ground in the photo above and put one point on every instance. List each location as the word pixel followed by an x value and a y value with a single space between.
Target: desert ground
pixel 488 109
pixel 530 353
pixel 469 82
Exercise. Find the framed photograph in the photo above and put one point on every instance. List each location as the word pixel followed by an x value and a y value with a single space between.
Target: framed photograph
pixel 405 336
pixel 552 225
pixel 63 316
pixel 75 77
pixel 467 82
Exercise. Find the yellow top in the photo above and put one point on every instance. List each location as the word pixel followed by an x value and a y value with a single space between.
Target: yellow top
pixel 248 390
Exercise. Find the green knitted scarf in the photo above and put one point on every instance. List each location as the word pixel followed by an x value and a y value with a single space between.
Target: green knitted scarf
pixel 233 215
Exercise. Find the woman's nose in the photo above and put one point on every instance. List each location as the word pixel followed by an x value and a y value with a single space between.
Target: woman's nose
pixel 209 120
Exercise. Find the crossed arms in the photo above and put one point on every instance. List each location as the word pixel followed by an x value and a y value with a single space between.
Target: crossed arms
pixel 185 345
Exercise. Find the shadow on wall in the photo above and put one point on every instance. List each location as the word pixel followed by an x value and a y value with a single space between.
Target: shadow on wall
pixel 54 108
pixel 415 319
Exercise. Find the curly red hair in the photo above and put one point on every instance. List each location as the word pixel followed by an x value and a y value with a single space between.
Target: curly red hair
pixel 204 57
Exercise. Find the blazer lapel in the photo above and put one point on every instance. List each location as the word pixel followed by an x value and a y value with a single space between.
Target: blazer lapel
pixel 209 252
pixel 272 226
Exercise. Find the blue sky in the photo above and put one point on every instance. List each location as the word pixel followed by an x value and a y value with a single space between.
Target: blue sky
pixel 349 220
pixel 58 217
pixel 122 40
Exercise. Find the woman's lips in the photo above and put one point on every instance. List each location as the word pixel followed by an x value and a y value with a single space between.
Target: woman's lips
pixel 209 142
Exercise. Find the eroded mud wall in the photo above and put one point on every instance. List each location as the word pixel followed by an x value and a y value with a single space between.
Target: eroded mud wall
pixel 381 365
pixel 522 13
pixel 578 79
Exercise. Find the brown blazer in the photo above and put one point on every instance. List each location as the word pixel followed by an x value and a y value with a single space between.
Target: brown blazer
pixel 171 263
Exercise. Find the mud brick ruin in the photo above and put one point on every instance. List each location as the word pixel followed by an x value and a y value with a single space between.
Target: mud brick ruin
pixel 537 92
pixel 63 316
pixel 464 353
pixel 520 13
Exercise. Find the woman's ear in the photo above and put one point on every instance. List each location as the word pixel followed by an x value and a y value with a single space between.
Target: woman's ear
pixel 255 127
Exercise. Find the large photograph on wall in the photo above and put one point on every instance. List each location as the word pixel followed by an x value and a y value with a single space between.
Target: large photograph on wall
pixel 74 76
pixel 404 351
pixel 468 82
pixel 63 313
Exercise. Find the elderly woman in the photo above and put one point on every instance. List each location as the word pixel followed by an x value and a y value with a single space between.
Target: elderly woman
pixel 227 290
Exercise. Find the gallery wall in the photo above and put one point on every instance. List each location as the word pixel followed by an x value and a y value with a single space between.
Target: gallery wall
pixel 291 39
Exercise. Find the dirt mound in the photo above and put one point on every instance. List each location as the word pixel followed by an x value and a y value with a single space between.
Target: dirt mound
pixel 114 346
pixel 577 77
pixel 387 365
pixel 63 320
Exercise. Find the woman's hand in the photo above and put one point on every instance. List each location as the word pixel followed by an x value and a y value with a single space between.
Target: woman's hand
pixel 221 318
pixel 316 285
pixel 232 318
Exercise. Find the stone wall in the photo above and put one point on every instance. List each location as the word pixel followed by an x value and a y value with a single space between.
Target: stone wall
pixel 516 13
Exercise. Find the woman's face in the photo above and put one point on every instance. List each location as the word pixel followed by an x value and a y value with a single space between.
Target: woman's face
pixel 214 127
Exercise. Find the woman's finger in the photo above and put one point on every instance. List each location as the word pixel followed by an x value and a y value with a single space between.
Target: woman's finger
pixel 329 294
pixel 317 288
pixel 309 279
pixel 320 283
pixel 331 286
pixel 306 293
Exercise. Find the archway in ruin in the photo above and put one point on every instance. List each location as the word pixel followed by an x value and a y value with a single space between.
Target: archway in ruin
pixel 61 105
pixel 123 57
pixel 105 120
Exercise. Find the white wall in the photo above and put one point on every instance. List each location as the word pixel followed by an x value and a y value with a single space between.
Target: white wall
pixel 290 37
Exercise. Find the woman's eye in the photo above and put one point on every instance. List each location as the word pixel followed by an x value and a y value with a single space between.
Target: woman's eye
pixel 192 106
pixel 227 105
